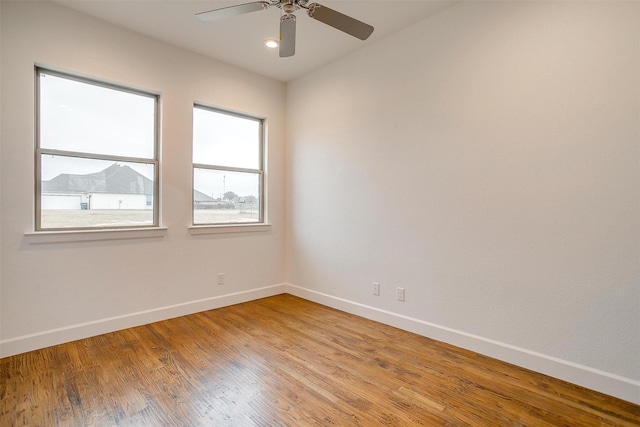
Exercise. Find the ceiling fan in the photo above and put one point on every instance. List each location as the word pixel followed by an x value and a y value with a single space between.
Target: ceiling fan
pixel 316 11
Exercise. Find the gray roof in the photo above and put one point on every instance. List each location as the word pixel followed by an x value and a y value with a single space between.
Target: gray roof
pixel 115 179
pixel 199 196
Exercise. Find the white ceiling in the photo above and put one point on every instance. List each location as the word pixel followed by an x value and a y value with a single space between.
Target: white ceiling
pixel 239 40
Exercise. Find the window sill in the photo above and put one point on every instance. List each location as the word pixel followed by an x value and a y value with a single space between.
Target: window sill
pixel 197 230
pixel 44 237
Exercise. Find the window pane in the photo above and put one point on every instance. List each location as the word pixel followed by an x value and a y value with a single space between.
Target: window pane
pixel 80 192
pixel 224 140
pixel 83 117
pixel 225 197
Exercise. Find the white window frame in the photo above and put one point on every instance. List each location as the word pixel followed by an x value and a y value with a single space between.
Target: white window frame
pixel 260 172
pixel 39 152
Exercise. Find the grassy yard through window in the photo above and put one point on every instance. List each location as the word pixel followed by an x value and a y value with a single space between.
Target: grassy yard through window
pixel 108 218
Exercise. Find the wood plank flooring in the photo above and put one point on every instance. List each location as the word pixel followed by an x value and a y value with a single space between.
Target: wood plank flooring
pixel 284 361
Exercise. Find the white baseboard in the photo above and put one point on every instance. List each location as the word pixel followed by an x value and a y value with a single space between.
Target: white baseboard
pixel 594 379
pixel 51 337
pixel 604 382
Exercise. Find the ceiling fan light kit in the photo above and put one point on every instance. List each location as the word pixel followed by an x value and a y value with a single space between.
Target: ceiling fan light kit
pixel 326 15
pixel 287 35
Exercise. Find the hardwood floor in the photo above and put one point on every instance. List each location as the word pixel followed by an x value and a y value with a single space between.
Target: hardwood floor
pixel 284 361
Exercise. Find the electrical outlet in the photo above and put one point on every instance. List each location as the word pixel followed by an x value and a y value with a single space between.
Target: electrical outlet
pixel 400 294
pixel 376 288
pixel 220 278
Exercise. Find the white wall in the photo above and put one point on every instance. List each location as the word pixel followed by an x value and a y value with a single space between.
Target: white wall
pixel 487 160
pixel 61 201
pixel 62 290
pixel 118 201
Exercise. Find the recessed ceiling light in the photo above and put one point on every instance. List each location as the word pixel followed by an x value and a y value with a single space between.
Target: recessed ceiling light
pixel 271 44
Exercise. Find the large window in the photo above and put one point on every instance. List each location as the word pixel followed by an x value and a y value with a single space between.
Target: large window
pixel 228 171
pixel 96 154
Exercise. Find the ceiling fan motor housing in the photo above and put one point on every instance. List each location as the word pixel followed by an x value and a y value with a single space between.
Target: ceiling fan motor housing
pixel 289 6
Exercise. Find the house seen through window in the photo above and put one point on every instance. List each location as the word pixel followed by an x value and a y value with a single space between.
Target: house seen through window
pixel 96 161
pixel 228 169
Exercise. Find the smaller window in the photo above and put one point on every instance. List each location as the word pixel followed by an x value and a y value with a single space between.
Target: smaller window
pixel 228 170
pixel 96 154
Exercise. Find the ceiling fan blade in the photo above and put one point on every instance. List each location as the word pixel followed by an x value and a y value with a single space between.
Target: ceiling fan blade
pixel 287 35
pixel 225 12
pixel 340 21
